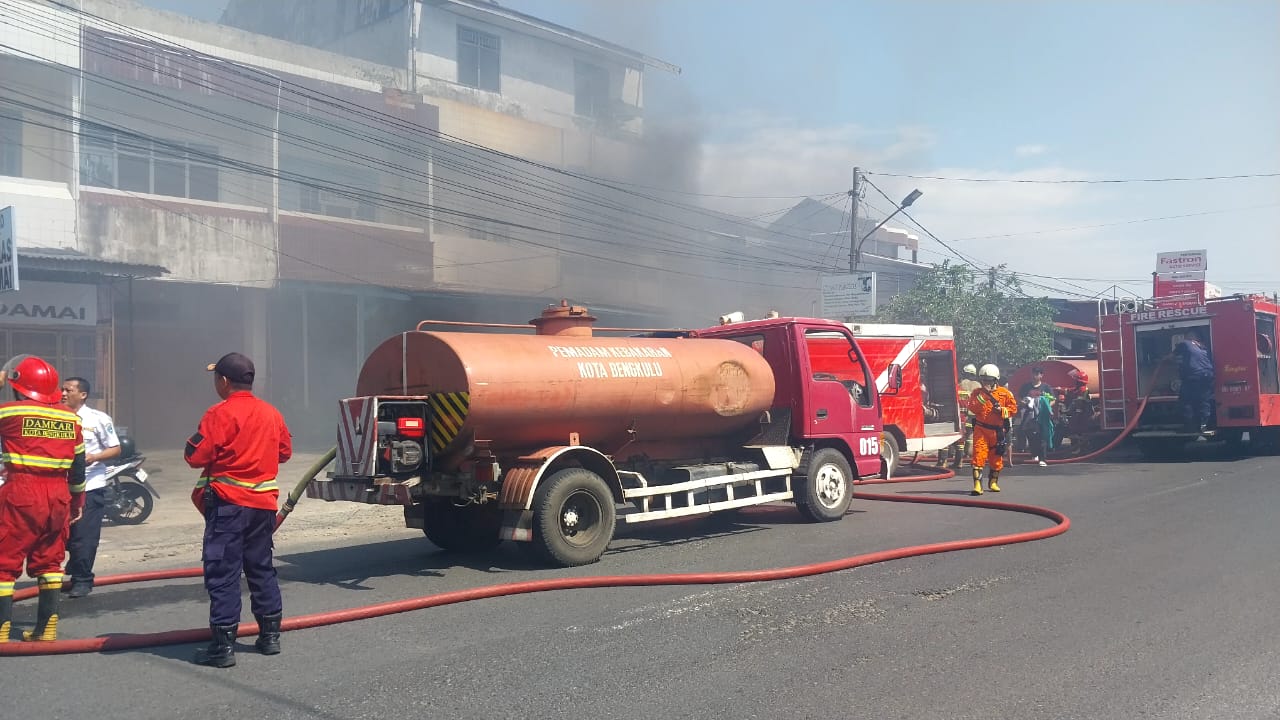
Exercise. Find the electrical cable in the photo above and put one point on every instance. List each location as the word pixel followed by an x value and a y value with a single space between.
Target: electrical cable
pixel 489 219
pixel 1121 181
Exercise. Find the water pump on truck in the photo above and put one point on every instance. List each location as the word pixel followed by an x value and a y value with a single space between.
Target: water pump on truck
pixel 550 439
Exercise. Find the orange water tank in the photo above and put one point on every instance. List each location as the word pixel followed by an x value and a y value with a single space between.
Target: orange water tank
pixel 1056 373
pixel 523 392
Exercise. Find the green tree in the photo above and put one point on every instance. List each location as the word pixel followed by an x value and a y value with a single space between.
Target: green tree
pixel 992 319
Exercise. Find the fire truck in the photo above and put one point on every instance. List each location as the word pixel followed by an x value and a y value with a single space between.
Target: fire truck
pixel 924 414
pixel 1135 340
pixel 550 439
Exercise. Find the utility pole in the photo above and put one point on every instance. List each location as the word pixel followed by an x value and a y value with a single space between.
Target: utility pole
pixel 853 223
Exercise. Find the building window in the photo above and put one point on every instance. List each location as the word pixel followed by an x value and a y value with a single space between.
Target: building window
pixel 590 90
pixel 114 160
pixel 478 59
pixel 11 146
pixel 308 193
pixel 489 230
pixel 369 12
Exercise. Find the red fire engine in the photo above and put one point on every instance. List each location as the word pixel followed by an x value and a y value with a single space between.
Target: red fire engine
pixel 1135 339
pixel 924 415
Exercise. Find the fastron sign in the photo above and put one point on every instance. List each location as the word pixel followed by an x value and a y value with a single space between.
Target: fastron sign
pixel 1184 261
pixel 42 304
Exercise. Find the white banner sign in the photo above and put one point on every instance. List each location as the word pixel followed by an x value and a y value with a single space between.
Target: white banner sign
pixel 8 252
pixel 1192 261
pixel 42 304
pixel 849 295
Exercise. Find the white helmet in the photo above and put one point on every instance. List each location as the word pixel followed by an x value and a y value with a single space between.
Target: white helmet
pixel 969 369
pixel 989 371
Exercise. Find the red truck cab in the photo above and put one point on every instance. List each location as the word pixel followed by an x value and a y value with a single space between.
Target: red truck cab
pixel 832 400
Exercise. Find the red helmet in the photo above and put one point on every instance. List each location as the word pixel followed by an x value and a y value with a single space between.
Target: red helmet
pixel 33 377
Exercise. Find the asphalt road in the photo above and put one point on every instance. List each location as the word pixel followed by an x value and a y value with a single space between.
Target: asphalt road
pixel 1160 602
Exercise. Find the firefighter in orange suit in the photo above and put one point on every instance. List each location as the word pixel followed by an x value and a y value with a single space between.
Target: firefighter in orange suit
pixel 993 408
pixel 43 493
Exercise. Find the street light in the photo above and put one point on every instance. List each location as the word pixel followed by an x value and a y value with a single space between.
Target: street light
pixel 906 203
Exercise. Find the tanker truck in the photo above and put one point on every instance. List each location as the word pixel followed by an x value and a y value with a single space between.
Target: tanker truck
pixel 550 439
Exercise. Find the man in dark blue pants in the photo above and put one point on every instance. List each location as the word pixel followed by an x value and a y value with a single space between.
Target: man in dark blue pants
pixel 238 538
pixel 239 446
pixel 100 443
pixel 1195 372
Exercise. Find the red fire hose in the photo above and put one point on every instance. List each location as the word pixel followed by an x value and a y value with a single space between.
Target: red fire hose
pixel 194 635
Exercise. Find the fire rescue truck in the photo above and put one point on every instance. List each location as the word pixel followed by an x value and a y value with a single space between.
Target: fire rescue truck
pixel 549 439
pixel 1135 340
pixel 924 414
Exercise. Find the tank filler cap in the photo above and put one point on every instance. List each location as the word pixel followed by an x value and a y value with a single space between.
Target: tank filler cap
pixel 564 319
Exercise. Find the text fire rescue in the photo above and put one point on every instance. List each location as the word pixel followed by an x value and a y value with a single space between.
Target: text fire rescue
pixel 613 369
pixel 1170 314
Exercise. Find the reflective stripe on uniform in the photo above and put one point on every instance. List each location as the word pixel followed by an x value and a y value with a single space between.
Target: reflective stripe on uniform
pixel 37 461
pixel 265 486
pixel 33 411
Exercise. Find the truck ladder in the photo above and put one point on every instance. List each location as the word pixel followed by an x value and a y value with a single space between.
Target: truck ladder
pixel 656 502
pixel 1111 370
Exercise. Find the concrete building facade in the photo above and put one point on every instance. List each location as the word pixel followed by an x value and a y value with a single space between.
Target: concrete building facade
pixel 301 198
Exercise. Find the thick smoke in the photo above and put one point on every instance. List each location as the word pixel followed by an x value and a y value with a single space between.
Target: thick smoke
pixel 710 263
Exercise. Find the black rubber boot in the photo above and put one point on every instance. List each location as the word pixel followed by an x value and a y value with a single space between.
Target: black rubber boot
pixel 221 651
pixel 6 611
pixel 47 611
pixel 268 642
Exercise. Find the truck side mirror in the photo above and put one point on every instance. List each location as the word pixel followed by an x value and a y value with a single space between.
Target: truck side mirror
pixel 895 379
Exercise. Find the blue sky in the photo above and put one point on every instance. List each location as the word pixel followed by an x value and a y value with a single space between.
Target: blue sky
pixel 789 96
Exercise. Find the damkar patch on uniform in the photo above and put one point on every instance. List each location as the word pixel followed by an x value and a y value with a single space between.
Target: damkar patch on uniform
pixel 46 428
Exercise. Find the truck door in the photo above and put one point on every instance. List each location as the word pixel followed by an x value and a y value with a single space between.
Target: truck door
pixel 840 401
pixel 1268 383
pixel 937 383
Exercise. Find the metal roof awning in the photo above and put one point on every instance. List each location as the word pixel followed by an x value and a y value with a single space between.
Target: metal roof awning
pixel 60 261
pixel 1072 327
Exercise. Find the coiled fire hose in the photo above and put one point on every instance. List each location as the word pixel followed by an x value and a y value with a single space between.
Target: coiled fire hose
pixel 116 642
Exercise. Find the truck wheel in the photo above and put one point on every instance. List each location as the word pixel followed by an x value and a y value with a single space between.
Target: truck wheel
pixel 573 517
pixel 889 452
pixel 469 528
pixel 825 490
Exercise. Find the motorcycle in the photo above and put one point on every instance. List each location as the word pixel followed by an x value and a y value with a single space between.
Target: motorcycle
pixel 129 497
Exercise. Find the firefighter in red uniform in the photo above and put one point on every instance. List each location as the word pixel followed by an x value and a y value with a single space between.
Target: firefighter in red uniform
pixel 993 408
pixel 43 493
pixel 239 446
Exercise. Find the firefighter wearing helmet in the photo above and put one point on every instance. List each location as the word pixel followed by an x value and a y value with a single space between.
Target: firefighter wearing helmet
pixel 43 493
pixel 993 408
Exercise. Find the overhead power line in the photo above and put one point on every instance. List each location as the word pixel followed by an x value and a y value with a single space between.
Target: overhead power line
pixel 518 184
pixel 1098 181
pixel 972 262
pixel 1120 222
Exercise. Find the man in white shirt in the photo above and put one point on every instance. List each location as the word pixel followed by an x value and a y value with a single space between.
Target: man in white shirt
pixel 100 443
